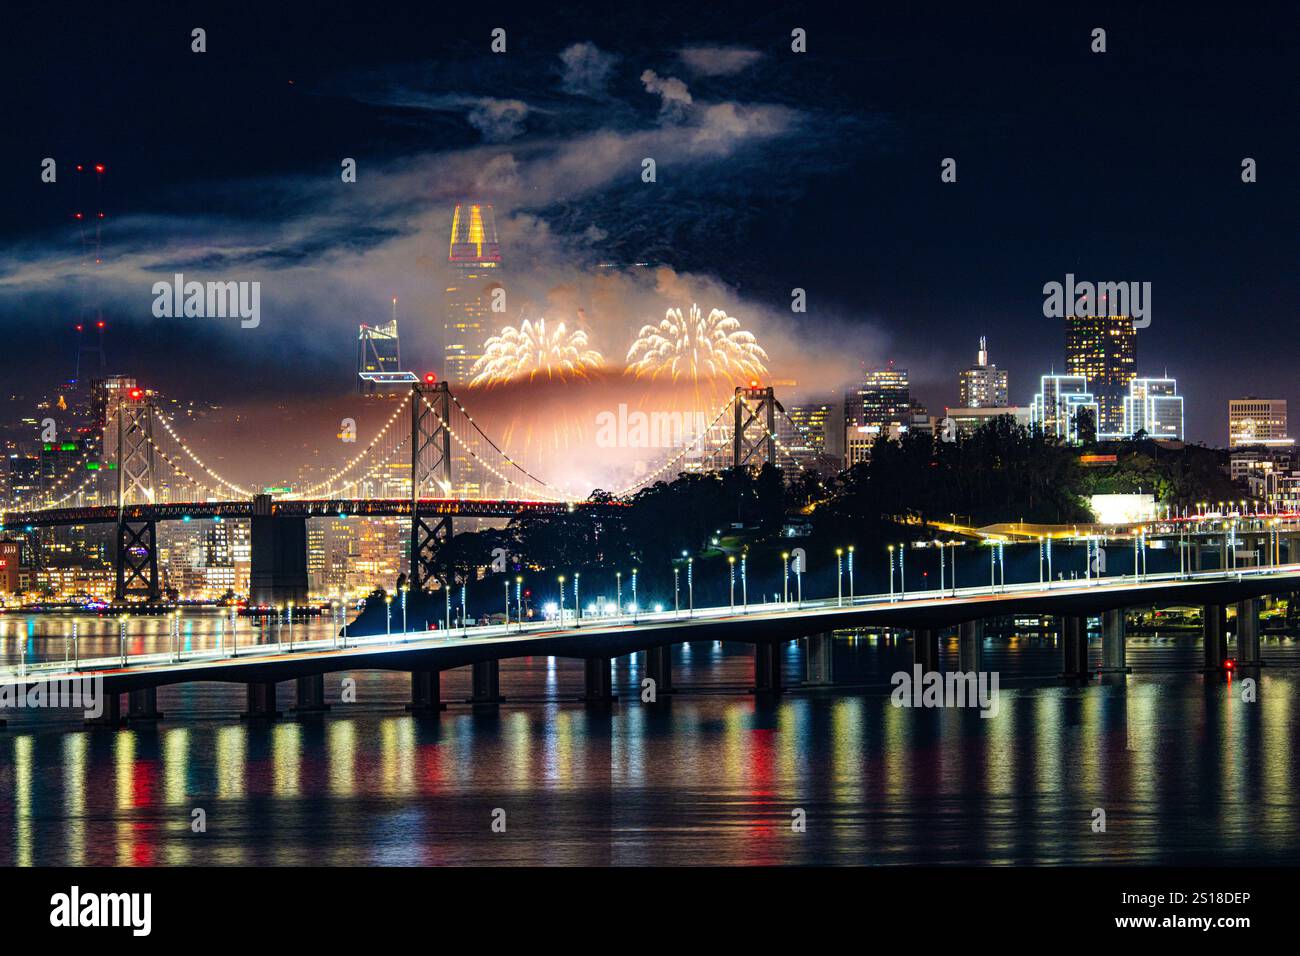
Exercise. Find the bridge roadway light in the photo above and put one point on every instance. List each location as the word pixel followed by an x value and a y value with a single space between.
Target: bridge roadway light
pixel 677 591
pixel 519 600
pixel 850 574
pixel 839 577
pixel 618 591
pixel 577 601
pixel 690 586
pixel 561 580
pixel 890 549
pixel 635 603
pixel 388 622
pixel 404 590
pixel 785 579
pixel 744 581
pixel 731 575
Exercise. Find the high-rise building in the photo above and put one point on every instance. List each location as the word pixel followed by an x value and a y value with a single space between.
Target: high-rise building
pixel 1257 421
pixel 1103 349
pixel 1154 406
pixel 378 350
pixel 820 434
pixel 982 385
pixel 882 404
pixel 475 261
pixel 1065 408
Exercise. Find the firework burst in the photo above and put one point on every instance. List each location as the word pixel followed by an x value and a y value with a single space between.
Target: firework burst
pixel 697 347
pixel 532 349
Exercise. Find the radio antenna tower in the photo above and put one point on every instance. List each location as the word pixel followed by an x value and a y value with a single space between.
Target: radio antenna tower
pixel 91 249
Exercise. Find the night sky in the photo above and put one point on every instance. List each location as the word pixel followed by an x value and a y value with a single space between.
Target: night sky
pixel 775 171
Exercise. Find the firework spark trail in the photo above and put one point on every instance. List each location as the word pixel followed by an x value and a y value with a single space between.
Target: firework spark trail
pixel 695 346
pixel 532 349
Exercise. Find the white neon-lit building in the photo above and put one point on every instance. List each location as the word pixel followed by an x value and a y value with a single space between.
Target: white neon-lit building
pixel 1064 404
pixel 1154 406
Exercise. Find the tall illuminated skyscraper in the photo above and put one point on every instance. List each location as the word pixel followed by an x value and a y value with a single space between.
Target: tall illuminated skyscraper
pixel 475 260
pixel 982 385
pixel 1103 349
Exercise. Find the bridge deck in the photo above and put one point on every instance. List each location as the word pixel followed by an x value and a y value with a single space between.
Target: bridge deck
pixel 612 637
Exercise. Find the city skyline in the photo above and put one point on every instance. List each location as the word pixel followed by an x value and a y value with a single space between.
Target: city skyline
pixel 568 215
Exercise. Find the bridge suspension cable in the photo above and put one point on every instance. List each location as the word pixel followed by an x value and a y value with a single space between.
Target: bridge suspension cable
pixel 239 490
pixel 456 436
pixel 640 482
pixel 328 481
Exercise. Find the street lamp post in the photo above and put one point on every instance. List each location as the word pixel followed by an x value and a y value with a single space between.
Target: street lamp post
pixel 388 615
pixel 577 600
pixel 785 580
pixel 690 587
pixel 677 591
pixel 404 590
pixel 891 572
pixel 519 600
pixel 618 591
pixel 121 638
pixel 744 582
pixel 636 605
pixel 464 610
pixel 561 579
pixel 839 577
pixel 850 574
pixel 731 578
pixel 290 625
pixel 942 585
pixel 902 570
pixel 507 584
pixel 446 613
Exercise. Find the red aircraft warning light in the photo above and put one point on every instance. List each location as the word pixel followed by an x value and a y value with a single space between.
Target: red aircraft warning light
pixel 135 394
pixel 430 378
pixel 99 324
pixel 99 167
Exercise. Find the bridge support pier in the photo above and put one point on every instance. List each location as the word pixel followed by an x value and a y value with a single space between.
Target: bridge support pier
pixel 485 684
pixel 278 573
pixel 925 648
pixel 1216 645
pixel 970 646
pixel 599 686
pixel 1113 639
pixel 311 695
pixel 1248 633
pixel 110 714
pixel 142 705
pixel 261 701
pixel 659 668
pixel 818 668
pixel 767 668
pixel 426 692
pixel 1074 647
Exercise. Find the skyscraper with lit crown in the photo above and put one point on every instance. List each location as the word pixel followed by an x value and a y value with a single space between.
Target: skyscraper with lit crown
pixel 474 257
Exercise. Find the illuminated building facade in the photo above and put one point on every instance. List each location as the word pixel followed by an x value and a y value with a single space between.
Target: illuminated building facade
pixel 1257 421
pixel 982 385
pixel 1103 350
pixel 881 404
pixel 378 350
pixel 1154 406
pixel 1064 408
pixel 475 260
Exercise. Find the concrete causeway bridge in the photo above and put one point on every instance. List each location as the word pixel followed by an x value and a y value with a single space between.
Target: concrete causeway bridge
pixel 925 614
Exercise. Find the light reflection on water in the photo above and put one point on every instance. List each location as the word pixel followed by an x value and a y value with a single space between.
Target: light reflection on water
pixel 1184 769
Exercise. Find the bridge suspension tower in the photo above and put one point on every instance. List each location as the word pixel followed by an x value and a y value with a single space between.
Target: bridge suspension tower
pixel 430 472
pixel 136 560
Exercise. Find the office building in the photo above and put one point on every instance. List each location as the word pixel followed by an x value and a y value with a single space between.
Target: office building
pixel 1103 350
pixel 1257 421
pixel 475 262
pixel 1065 408
pixel 1154 406
pixel 982 385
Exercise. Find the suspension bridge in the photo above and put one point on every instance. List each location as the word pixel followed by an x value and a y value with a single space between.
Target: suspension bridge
pixel 430 463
